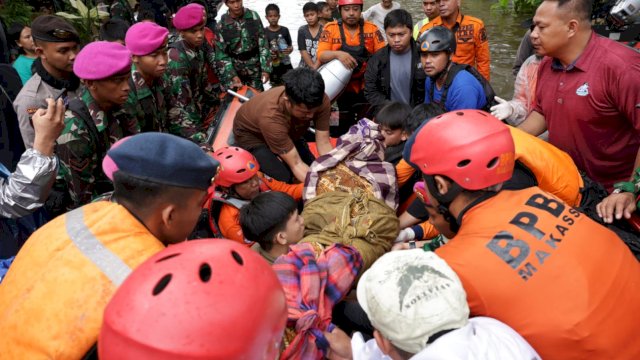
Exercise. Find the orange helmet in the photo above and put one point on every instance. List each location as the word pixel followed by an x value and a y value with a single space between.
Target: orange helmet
pixel 236 166
pixel 203 299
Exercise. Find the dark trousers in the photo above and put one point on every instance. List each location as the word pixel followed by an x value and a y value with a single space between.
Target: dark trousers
pixel 350 317
pixel 273 166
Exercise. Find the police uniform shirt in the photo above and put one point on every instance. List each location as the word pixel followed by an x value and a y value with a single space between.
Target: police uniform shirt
pixel 32 97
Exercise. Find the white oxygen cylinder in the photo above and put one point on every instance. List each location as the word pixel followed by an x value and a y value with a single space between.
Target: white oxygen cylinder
pixel 336 76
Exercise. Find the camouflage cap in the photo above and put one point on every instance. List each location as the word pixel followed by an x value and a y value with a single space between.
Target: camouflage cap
pixel 51 28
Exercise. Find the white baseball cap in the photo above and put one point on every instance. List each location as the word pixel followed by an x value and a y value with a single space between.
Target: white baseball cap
pixel 411 295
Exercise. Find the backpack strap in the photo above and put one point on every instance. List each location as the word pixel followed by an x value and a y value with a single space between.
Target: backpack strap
pixel 212 212
pixel 344 39
pixel 451 74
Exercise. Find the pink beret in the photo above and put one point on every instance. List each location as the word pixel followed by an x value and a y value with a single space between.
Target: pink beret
pixel 195 5
pixel 189 16
pixel 102 59
pixel 108 165
pixel 146 37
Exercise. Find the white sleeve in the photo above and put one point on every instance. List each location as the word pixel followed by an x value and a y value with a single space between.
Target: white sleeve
pixel 368 13
pixel 366 351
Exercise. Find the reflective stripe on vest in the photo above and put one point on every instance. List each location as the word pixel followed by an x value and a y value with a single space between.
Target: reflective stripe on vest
pixel 236 203
pixel 108 262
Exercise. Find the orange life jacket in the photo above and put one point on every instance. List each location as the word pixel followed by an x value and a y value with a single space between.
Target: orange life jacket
pixel 568 285
pixel 223 211
pixel 53 297
pixel 553 168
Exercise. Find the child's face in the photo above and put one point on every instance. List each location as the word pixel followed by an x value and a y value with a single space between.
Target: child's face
pixel 311 17
pixel 273 17
pixel 392 137
pixel 235 7
pixel 294 230
pixel 326 13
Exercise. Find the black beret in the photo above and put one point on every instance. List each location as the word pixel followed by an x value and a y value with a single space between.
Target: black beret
pixel 162 158
pixel 51 28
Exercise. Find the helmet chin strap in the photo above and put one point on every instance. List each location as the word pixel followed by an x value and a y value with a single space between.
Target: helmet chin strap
pixel 444 200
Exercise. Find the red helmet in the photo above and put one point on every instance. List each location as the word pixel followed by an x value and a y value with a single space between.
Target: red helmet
pixel 471 147
pixel 236 166
pixel 350 2
pixel 202 299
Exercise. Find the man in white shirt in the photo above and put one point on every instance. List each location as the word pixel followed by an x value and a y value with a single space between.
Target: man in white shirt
pixel 418 307
pixel 377 12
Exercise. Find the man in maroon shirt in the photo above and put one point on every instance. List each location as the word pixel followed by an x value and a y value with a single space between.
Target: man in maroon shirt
pixel 588 96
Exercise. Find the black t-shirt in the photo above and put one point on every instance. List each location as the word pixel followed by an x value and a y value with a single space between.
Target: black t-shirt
pixel 272 36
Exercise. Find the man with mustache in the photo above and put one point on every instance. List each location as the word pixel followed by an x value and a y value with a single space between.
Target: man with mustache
pixel 470 33
pixel 352 41
pixel 449 84
pixel 589 101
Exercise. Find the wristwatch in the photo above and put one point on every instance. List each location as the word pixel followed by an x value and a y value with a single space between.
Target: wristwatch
pixel 412 244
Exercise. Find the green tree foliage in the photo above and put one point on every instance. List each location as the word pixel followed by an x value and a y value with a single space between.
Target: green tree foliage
pixel 16 10
pixel 86 20
pixel 518 6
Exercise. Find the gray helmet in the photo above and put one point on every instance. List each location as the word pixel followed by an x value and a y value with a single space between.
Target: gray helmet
pixel 438 38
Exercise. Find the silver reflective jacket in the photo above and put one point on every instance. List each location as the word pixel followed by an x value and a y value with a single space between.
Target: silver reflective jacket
pixel 26 190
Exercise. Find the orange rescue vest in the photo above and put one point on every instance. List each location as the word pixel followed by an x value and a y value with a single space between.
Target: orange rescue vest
pixel 568 285
pixel 553 168
pixel 53 297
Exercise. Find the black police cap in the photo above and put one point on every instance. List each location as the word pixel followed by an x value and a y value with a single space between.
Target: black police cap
pixel 165 159
pixel 51 28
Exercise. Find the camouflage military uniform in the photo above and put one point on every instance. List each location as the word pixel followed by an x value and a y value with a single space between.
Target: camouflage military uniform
pixel 147 104
pixel 121 9
pixel 187 101
pixel 242 49
pixel 81 150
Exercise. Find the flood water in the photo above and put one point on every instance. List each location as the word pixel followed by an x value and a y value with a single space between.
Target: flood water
pixel 504 31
